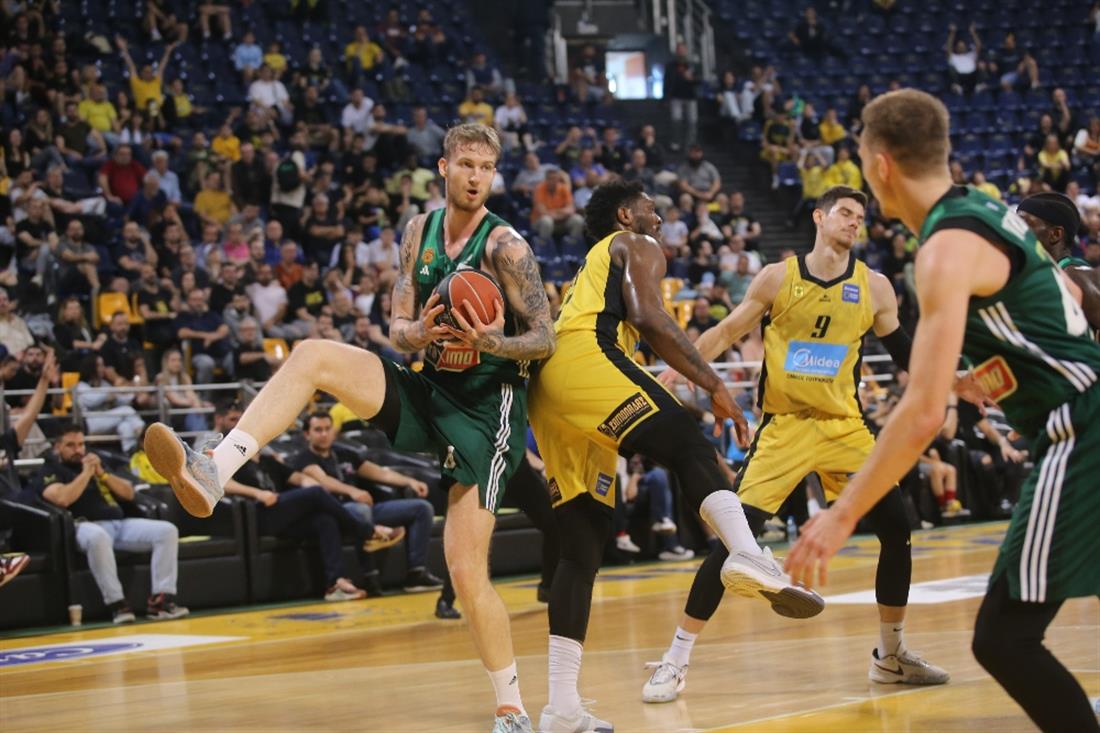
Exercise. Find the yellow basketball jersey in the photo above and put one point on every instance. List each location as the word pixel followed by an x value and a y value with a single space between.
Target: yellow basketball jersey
pixel 594 303
pixel 813 338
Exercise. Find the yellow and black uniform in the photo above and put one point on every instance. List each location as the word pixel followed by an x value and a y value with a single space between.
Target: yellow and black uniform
pixel 588 397
pixel 812 421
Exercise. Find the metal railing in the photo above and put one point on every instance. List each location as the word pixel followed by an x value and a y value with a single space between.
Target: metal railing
pixel 687 22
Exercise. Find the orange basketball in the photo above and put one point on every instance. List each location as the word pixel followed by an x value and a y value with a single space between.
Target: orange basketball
pixel 471 286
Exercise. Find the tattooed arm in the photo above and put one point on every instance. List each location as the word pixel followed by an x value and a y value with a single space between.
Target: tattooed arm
pixel 514 264
pixel 408 333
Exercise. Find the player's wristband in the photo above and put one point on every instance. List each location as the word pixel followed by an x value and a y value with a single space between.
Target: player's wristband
pixel 898 345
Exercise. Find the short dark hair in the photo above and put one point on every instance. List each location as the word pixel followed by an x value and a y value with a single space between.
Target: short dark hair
pixel 601 215
pixel 316 415
pixel 223 408
pixel 827 200
pixel 911 125
pixel 68 429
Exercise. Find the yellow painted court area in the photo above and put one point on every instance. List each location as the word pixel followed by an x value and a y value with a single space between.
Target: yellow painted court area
pixel 389 665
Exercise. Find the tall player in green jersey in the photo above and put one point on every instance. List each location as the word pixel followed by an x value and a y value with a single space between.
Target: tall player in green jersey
pixel 988 290
pixel 468 406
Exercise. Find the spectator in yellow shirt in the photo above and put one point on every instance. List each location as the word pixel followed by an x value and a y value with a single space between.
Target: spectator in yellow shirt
pixel 99 113
pixel 476 109
pixel 146 85
pixel 213 203
pixel 812 173
pixel 979 182
pixel 275 58
pixel 226 144
pixel 362 54
pixel 844 172
pixel 831 130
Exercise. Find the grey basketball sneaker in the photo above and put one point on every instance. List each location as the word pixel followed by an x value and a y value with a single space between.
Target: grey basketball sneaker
pixel 761 576
pixel 579 721
pixel 511 720
pixel 907 668
pixel 666 683
pixel 191 474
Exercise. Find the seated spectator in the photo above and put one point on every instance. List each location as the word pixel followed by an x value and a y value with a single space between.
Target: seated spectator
pixel 317 74
pixel 249 180
pixel 156 305
pixel 965 69
pixel 104 409
pixel 511 122
pixel 419 175
pixel 75 479
pixel 270 95
pixel 159 22
pixel 480 74
pixel 134 250
pixel 568 149
pixel 674 233
pixel 167 180
pixel 831 130
pixel 844 172
pixel 306 298
pixel 1054 164
pixel 387 140
pixel 384 252
pixel 435 198
pixel 475 109
pixel 211 345
pixel 323 229
pixel 302 513
pixel 736 281
pixel 320 463
pixel 812 174
pixel 101 115
pixel 146 85
pixel 362 54
pixel 391 34
pixel 235 248
pixel 213 205
pixel 529 176
pixel 812 38
pixel 78 261
pixel 978 181
pixel 14 334
pixel 226 145
pixel 425 137
pixel 648 483
pixel 586 163
pixel 147 207
pixel 1086 148
pixel 1016 68
pixel 734 106
pixel 809 136
pixel 705 228
pixel 189 265
pixel 120 351
pixel 552 212
pixel 775 143
pixel 250 357
pixel 35 240
pixel 121 177
pixel 701 318
pixel 269 298
pixel 274 57
pixel 248 57
pixel 178 391
pixel 289 268
pixel 368 335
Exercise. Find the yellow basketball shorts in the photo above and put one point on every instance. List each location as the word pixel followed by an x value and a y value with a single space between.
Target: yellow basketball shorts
pixel 582 403
pixel 789 447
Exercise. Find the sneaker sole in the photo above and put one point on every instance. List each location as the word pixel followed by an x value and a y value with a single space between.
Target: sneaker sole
pixel 167 456
pixel 788 601
pixel 376 545
pixel 421 588
pixel 664 698
pixel 14 570
pixel 896 680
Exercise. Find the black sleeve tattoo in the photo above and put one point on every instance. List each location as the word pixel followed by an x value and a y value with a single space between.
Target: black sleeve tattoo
pixel 525 295
pixel 403 322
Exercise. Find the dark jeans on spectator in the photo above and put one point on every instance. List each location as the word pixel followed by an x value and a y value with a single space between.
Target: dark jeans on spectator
pixel 655 487
pixel 313 512
pixel 414 514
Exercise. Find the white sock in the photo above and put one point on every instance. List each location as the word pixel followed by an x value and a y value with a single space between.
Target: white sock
pixel 722 510
pixel 679 652
pixel 233 452
pixel 890 638
pixel 506 685
pixel 565 668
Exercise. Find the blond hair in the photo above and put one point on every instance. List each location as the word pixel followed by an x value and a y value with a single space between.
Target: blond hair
pixel 912 126
pixel 471 134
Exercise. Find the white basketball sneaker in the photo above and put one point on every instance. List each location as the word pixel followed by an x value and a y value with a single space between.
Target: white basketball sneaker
pixel 761 576
pixel 666 683
pixel 511 720
pixel 579 721
pixel 907 668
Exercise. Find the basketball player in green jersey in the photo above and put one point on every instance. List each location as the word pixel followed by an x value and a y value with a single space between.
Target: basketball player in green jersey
pixel 1054 220
pixel 989 291
pixel 468 406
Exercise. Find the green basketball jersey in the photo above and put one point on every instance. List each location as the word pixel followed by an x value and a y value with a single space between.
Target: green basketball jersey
pixel 453 365
pixel 1028 342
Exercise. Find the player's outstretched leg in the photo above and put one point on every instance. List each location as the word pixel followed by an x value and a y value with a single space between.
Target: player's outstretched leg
pixel 354 376
pixel 673 439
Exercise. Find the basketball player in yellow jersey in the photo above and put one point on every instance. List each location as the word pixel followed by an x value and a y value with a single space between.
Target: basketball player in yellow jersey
pixel 590 401
pixel 815 310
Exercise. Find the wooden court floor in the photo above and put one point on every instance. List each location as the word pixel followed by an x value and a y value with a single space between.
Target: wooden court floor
pixel 388 665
